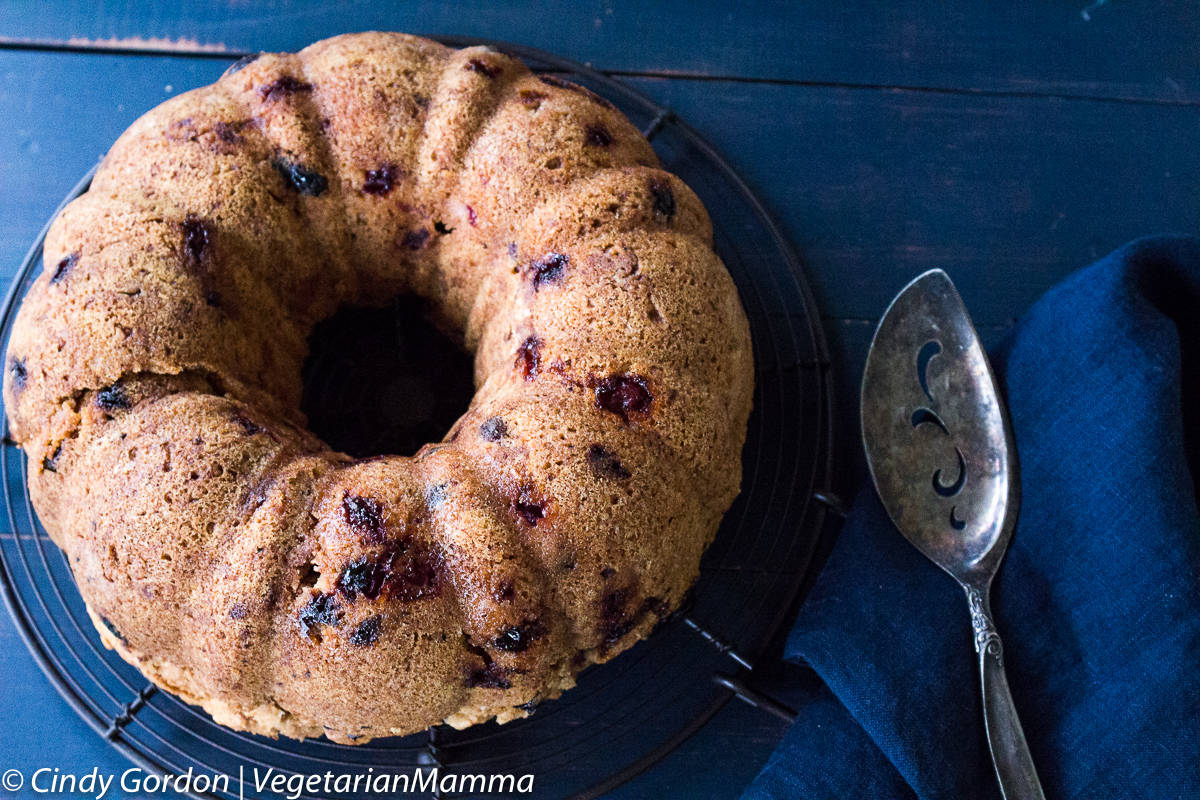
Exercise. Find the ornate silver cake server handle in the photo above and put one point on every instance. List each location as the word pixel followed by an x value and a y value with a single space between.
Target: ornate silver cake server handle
pixel 941 454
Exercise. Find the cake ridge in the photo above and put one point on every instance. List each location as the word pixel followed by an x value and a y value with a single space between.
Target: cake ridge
pixel 308 593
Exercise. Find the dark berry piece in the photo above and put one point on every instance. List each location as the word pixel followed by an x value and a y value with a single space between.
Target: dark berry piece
pixel 518 638
pixel 490 676
pixel 283 87
pixel 365 515
pixel 612 604
pixel 380 181
pixel 415 239
pixel 531 98
pixel 196 239
pixel 367 632
pixel 402 572
pixel 238 611
pixel 607 573
pixel 530 512
pixel 530 706
pixel 471 218
pixel 623 395
pixel 529 357
pixel 249 426
pixel 605 465
pixel 441 228
pixel 242 62
pixel 114 397
pixel 417 576
pixel 656 606
pixel 197 252
pixel 615 618
pixel 483 68
pixel 64 267
pixel 50 462
pixel 494 429
pixel 18 373
pixel 362 577
pixel 435 495
pixel 230 133
pixel 662 196
pixel 615 621
pixel 322 609
pixel 597 135
pixel 528 507
pixel 299 178
pixel 512 249
pixel 548 269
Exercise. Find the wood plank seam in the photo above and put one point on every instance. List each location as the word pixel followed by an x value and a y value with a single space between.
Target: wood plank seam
pixel 205 52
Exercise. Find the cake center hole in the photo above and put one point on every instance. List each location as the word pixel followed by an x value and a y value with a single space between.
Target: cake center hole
pixel 384 381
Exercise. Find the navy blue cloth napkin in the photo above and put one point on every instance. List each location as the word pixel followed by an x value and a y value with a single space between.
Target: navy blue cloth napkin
pixel 1098 599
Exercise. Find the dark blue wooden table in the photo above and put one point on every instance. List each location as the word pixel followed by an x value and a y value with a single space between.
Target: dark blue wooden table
pixel 1007 143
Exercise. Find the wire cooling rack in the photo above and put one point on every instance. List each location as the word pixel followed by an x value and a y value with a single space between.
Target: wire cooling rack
pixel 625 715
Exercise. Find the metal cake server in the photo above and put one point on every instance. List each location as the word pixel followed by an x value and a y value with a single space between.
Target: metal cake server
pixel 942 457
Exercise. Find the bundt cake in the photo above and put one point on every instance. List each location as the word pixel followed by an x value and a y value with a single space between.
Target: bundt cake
pixel 153 378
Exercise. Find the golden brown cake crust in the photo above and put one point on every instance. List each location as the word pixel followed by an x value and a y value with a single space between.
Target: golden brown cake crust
pixel 153 379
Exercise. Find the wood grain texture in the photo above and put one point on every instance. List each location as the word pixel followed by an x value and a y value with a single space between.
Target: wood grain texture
pixel 1121 50
pixel 1028 142
pixel 1007 194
